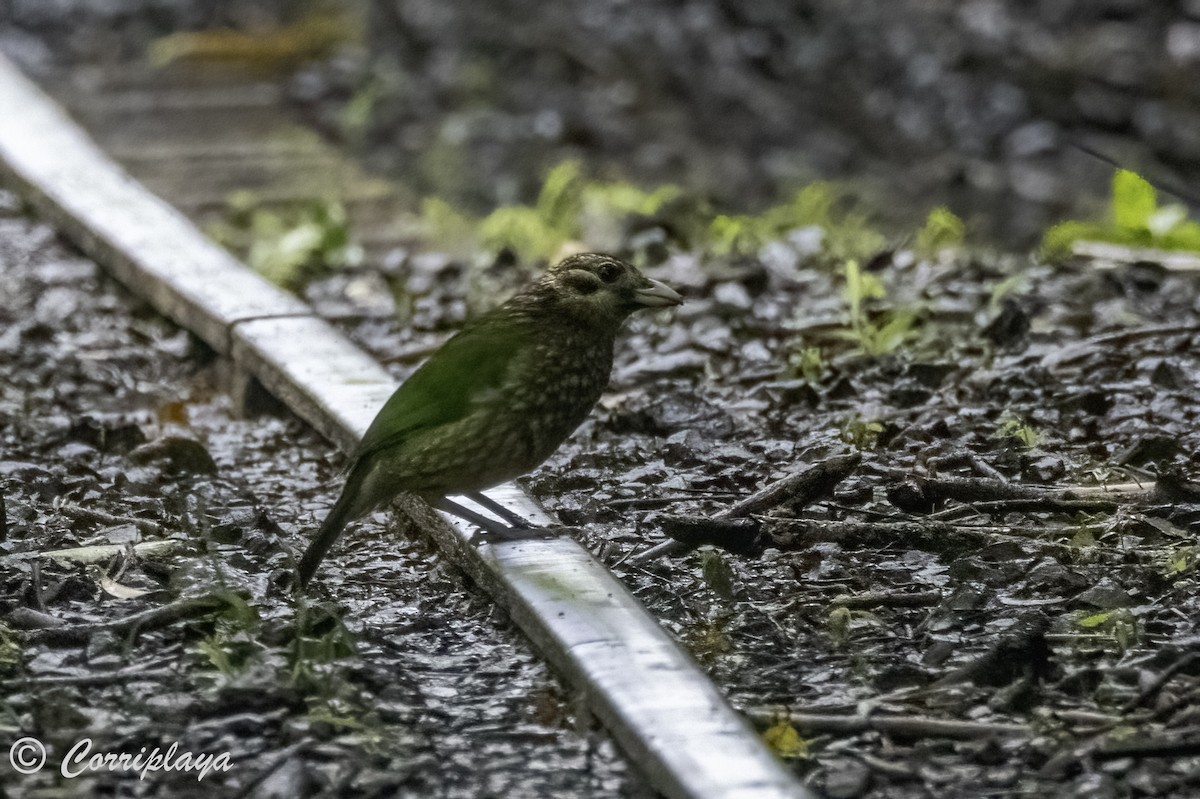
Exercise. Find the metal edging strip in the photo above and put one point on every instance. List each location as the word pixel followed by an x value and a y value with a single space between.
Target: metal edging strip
pixel 663 710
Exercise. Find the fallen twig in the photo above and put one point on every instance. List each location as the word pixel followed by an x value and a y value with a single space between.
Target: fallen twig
pixel 893 771
pixel 1156 685
pixel 97 679
pixel 23 618
pixel 97 553
pixel 1168 747
pixel 646 503
pixel 81 514
pixel 1097 748
pixel 918 494
pixel 1092 717
pixel 794 492
pixel 967 458
pixel 152 619
pixel 888 599
pixel 39 589
pixel 902 726
pixel 929 536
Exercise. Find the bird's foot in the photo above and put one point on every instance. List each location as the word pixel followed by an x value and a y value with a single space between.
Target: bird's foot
pixel 513 518
pixel 517 533
pixel 492 529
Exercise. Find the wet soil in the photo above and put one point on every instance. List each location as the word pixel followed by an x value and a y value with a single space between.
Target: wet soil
pixel 1033 613
pixel 395 677
pixel 948 577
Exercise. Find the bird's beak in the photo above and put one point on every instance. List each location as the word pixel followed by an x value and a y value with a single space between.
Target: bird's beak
pixel 656 295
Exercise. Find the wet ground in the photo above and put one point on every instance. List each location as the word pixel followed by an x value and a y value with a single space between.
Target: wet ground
pixel 952 575
pixel 395 678
pixel 1062 609
pixel 958 573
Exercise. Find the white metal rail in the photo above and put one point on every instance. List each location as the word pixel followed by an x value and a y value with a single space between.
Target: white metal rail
pixel 665 713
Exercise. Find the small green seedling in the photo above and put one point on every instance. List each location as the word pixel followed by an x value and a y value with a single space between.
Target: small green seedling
pixel 942 230
pixel 874 336
pixel 288 247
pixel 861 433
pixel 1018 431
pixel 808 364
pixel 1119 623
pixel 1135 219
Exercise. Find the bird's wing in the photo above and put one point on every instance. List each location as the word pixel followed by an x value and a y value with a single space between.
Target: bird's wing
pixel 465 368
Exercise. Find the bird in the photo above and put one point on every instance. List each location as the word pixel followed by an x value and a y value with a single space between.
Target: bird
pixel 497 399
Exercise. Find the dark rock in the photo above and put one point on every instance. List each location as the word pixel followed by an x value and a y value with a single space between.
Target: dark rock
pixel 1010 327
pixel 846 779
pixel 176 454
pixel 106 435
pixel 1148 448
pixel 1105 595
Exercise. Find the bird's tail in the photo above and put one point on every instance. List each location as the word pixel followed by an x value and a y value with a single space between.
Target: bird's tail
pixel 344 511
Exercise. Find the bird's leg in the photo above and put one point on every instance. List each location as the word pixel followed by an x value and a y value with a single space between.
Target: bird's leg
pixel 490 527
pixel 475 518
pixel 513 518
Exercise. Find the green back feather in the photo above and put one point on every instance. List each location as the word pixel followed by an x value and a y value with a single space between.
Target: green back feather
pixel 443 390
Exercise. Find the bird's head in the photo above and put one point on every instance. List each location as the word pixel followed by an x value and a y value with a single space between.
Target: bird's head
pixel 601 290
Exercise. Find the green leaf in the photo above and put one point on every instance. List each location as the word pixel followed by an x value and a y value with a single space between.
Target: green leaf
pixel 893 333
pixel 522 229
pixel 356 114
pixel 860 286
pixel 838 625
pixel 717 574
pixel 620 198
pixel 289 248
pixel 1119 623
pixel 808 363
pixel 942 229
pixel 1083 538
pixel 212 649
pixel 1005 287
pixel 861 433
pixel 1181 560
pixel 1136 221
pixel 1133 200
pixel 10 649
pixel 237 610
pixel 732 235
pixel 782 739
pixel 1184 236
pixel 561 199
pixel 341 721
pixel 811 205
pixel 846 234
pixel 1019 431
pixel 1057 241
pixel 1097 619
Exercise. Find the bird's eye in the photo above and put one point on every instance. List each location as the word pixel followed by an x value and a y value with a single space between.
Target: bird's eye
pixel 609 272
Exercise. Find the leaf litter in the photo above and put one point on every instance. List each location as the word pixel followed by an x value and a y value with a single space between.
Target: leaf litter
pixel 143 527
